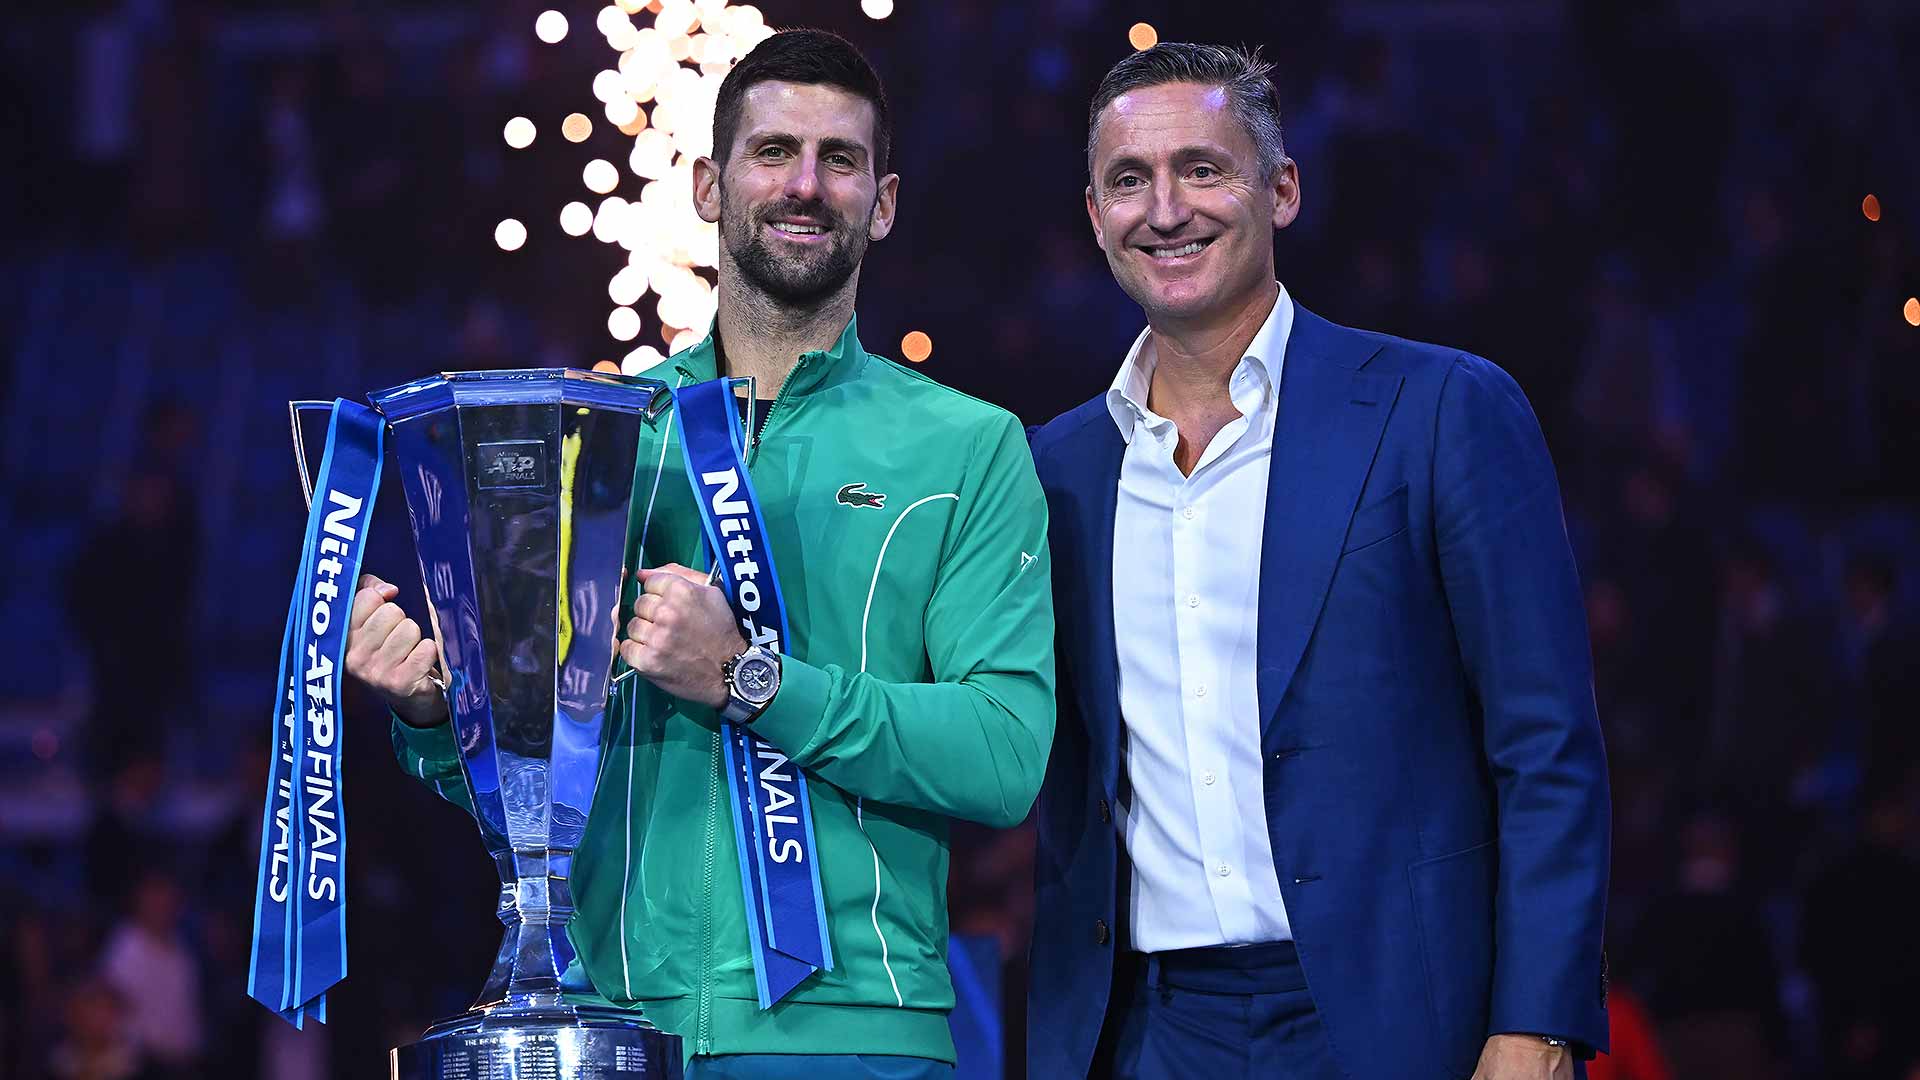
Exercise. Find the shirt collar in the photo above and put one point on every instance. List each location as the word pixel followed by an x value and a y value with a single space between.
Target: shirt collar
pixel 1127 397
pixel 815 370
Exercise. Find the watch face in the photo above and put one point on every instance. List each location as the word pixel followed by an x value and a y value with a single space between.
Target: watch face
pixel 755 678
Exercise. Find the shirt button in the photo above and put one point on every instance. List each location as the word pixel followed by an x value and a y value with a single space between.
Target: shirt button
pixel 1200 691
pixel 1223 870
pixel 1187 512
pixel 1193 601
pixel 1207 778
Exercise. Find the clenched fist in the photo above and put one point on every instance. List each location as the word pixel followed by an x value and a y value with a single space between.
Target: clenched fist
pixel 386 651
pixel 681 632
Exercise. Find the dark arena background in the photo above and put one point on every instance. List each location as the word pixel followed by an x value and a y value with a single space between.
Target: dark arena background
pixel 1687 228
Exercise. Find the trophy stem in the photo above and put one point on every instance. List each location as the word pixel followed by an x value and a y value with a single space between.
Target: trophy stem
pixel 536 904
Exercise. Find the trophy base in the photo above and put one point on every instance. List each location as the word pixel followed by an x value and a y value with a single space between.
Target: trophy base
pixel 563 1043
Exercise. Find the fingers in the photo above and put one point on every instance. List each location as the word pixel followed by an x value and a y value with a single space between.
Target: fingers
pixel 372 634
pixel 372 593
pixel 399 643
pixel 649 606
pixel 670 572
pixel 420 662
pixel 634 652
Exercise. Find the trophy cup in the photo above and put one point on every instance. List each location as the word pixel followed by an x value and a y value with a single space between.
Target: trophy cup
pixel 517 486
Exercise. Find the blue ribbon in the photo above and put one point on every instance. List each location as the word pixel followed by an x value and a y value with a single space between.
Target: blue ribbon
pixel 772 819
pixel 299 915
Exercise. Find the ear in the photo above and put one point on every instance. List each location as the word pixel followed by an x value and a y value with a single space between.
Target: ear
pixel 1093 216
pixel 883 207
pixel 1286 193
pixel 706 188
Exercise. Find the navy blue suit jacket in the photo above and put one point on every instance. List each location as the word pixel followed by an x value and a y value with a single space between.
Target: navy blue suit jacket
pixel 1435 784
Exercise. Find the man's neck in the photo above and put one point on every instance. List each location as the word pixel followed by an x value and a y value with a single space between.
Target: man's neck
pixel 763 338
pixel 1193 362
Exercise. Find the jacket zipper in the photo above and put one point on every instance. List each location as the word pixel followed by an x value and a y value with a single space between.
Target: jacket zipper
pixel 703 1025
pixel 754 438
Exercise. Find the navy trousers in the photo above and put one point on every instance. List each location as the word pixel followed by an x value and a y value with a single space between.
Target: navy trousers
pixel 1220 1014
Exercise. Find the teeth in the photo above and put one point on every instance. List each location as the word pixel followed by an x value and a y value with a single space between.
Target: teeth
pixel 1174 253
pixel 798 230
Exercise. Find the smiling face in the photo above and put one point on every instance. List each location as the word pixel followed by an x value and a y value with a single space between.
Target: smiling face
pixel 797 198
pixel 1179 206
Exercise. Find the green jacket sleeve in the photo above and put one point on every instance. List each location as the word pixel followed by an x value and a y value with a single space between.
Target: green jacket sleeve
pixel 972 743
pixel 430 755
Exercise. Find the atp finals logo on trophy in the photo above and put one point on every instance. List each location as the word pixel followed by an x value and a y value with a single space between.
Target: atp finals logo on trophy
pixel 517 487
pixel 517 463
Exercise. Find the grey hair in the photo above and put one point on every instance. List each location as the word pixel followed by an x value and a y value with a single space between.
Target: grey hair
pixel 1240 72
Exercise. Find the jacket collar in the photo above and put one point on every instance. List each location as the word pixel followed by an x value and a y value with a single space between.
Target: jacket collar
pixel 816 370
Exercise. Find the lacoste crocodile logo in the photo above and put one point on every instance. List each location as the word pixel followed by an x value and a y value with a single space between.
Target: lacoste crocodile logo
pixel 858 495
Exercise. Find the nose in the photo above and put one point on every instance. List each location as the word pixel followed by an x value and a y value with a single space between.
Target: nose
pixel 1168 211
pixel 803 180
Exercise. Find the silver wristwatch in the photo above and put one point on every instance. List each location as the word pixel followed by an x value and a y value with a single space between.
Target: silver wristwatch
pixel 752 677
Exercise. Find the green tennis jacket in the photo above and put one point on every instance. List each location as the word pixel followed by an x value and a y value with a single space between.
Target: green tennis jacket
pixel 910 534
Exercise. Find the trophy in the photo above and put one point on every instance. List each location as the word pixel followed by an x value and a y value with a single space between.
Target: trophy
pixel 517 487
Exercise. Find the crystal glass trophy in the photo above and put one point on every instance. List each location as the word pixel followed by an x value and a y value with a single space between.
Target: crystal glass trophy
pixel 517 486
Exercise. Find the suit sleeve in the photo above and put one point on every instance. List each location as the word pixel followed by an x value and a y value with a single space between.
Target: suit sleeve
pixel 972 743
pixel 1515 598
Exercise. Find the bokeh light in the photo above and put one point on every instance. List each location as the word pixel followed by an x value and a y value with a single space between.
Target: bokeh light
pixel 916 346
pixel 606 85
pixel 659 92
pixel 600 176
pixel 519 133
pixel 550 27
pixel 1912 311
pixel 1142 36
pixel 608 220
pixel 1870 206
pixel 624 324
pixel 641 359
pixel 622 110
pixel 877 9
pixel 627 287
pixel 510 234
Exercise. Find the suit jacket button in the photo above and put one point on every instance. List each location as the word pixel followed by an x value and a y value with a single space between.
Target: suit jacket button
pixel 1100 931
pixel 1106 812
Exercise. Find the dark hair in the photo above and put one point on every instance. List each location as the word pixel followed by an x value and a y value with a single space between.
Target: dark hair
pixel 1240 72
pixel 811 58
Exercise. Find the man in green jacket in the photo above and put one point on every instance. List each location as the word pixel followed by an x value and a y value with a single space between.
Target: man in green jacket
pixel 916 683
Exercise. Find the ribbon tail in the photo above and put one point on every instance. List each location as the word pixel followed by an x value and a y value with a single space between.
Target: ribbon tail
pixel 783 974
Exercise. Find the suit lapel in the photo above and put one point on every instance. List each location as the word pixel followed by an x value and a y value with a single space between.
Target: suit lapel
pixel 1098 449
pixel 1331 417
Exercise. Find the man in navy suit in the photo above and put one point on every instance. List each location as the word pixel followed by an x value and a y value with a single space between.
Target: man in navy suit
pixel 1328 796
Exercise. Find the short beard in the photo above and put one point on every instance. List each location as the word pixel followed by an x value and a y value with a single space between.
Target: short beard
pixel 793 282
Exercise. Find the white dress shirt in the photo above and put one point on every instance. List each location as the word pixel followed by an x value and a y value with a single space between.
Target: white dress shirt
pixel 1186 598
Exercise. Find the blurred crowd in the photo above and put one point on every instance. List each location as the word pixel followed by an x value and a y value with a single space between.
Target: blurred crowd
pixel 1654 215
